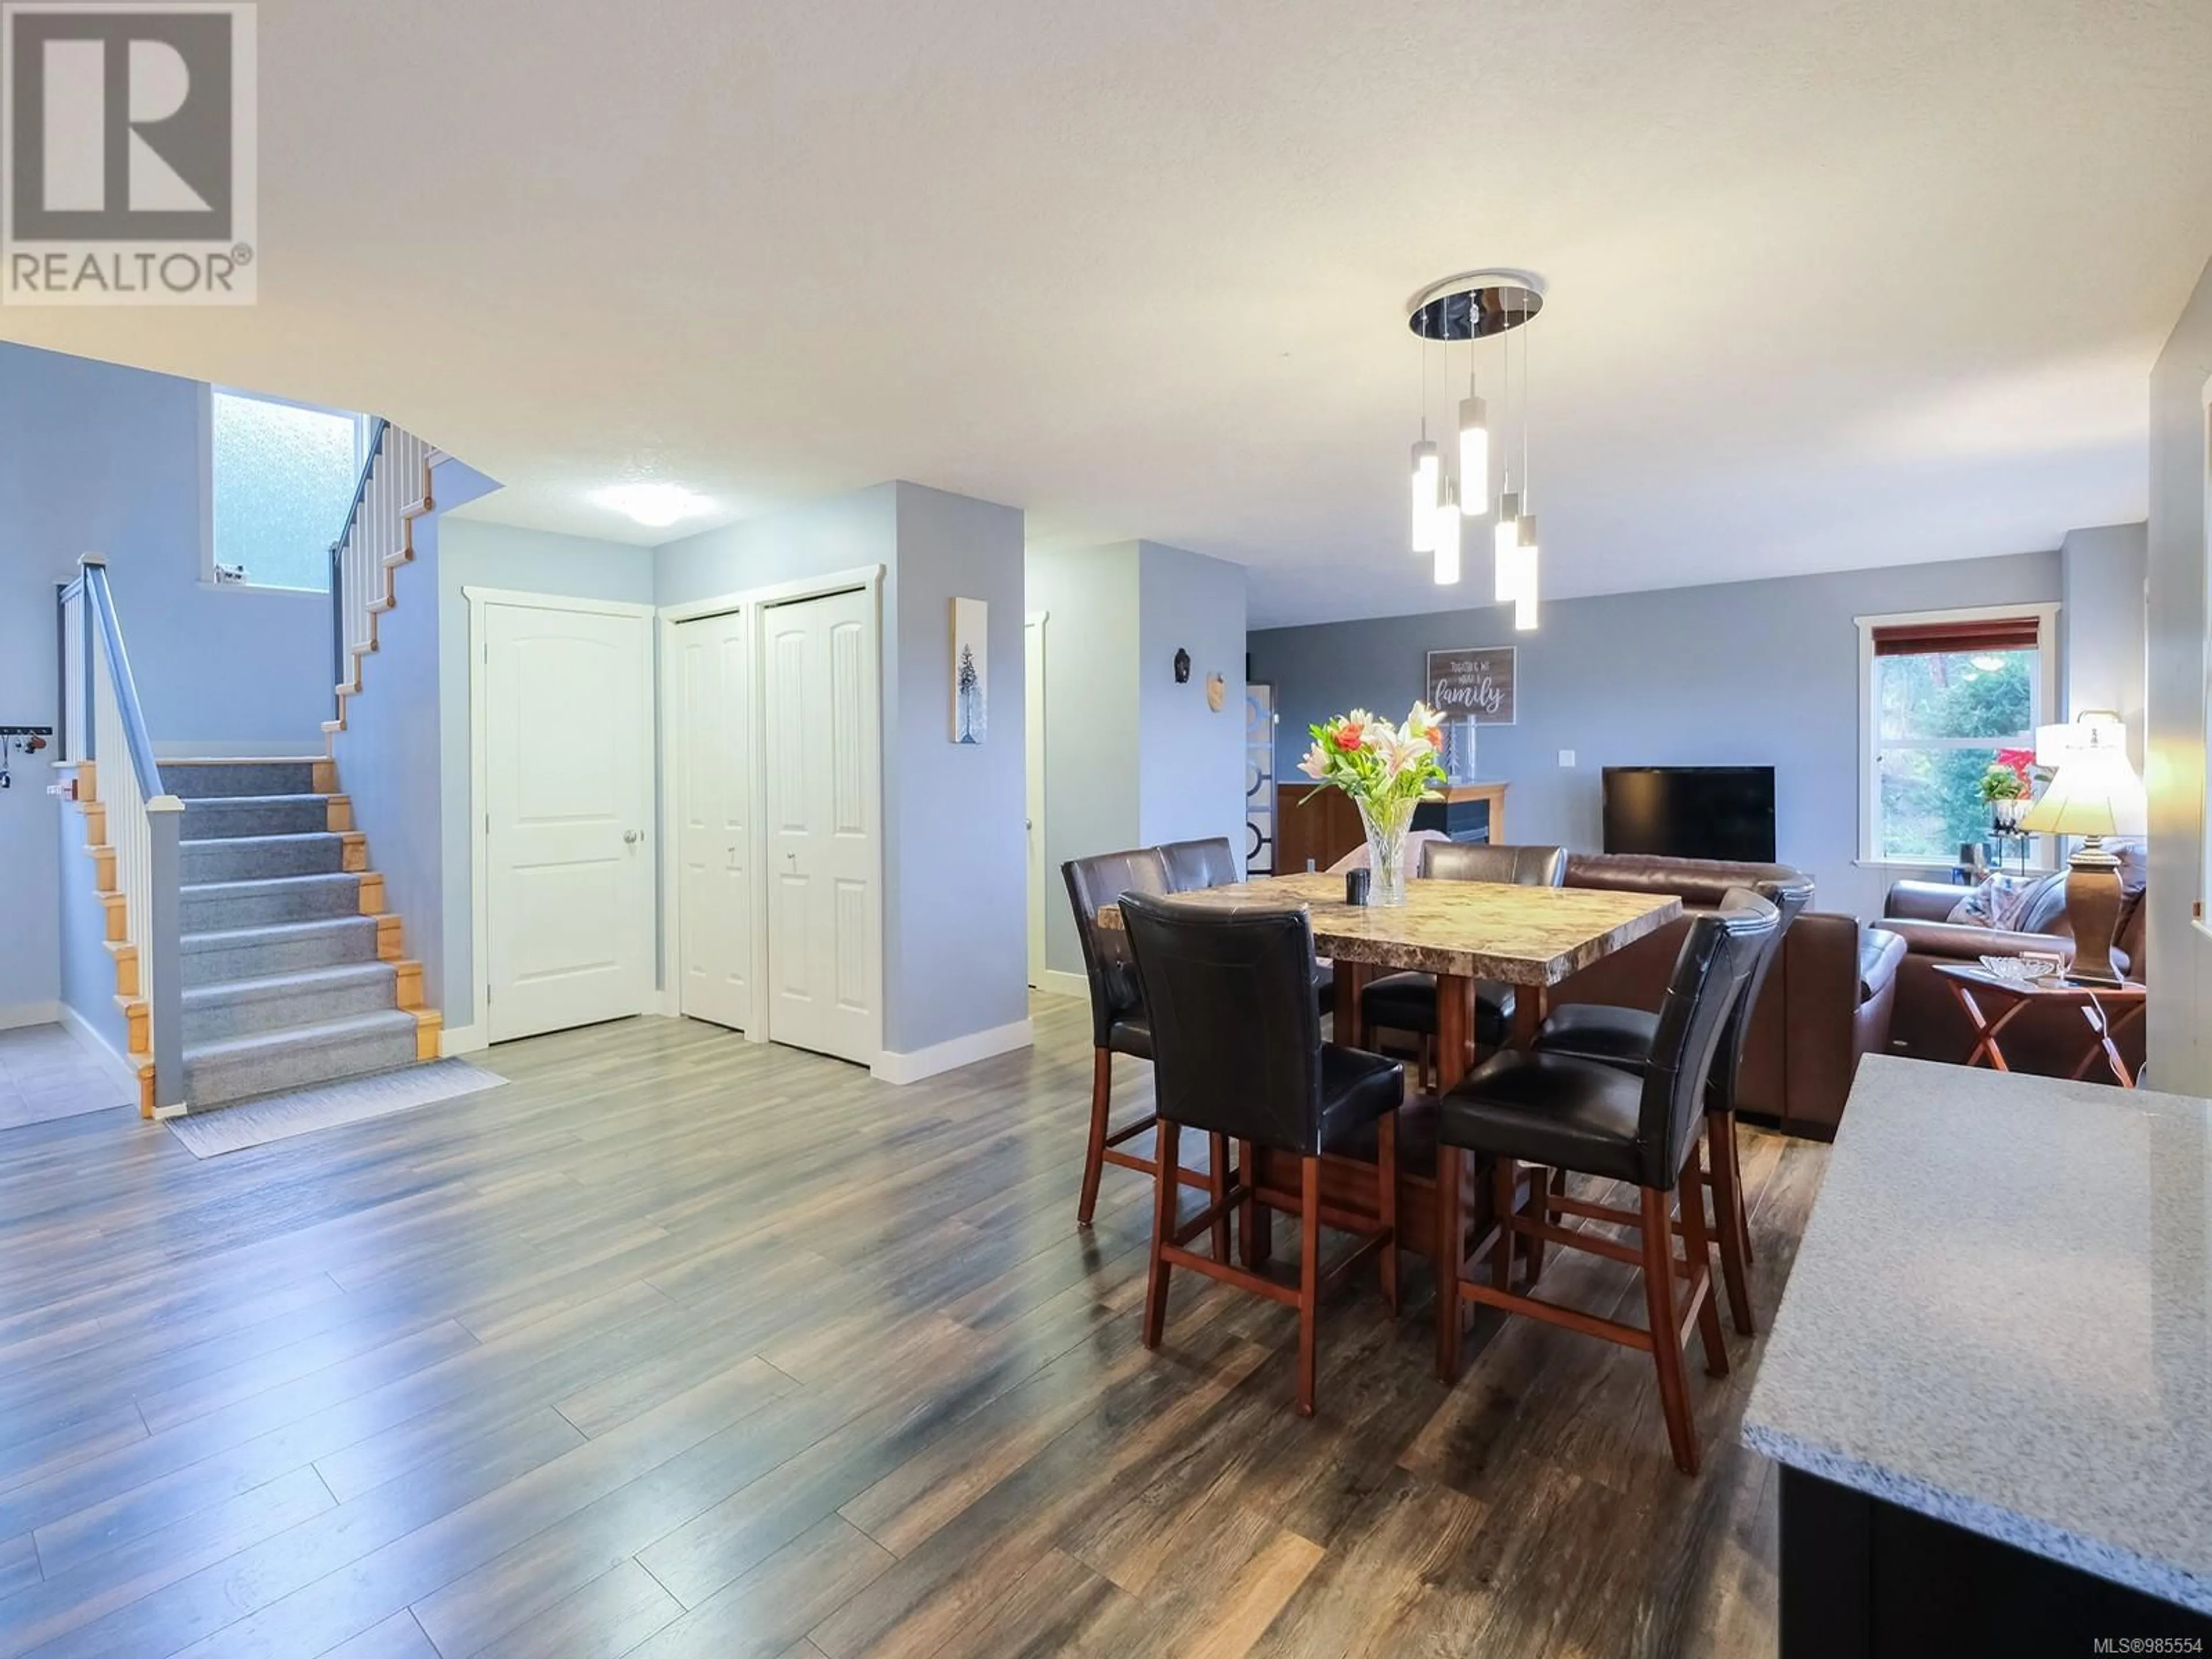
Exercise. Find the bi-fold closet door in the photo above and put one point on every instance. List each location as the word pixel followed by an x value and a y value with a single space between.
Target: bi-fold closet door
pixel 779 706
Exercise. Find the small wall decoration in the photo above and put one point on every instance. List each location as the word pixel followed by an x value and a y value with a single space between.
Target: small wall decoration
pixel 1182 667
pixel 1217 691
pixel 1475 684
pixel 971 670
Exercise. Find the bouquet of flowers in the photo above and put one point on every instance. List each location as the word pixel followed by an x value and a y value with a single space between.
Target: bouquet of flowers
pixel 1388 770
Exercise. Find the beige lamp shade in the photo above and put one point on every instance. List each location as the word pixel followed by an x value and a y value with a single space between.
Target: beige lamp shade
pixel 2096 792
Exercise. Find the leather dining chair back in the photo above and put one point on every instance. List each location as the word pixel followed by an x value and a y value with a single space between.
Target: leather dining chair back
pixel 1788 899
pixel 1235 1042
pixel 1478 860
pixel 1710 973
pixel 1093 882
pixel 1196 864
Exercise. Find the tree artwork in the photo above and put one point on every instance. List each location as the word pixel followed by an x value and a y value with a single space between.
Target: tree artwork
pixel 967 691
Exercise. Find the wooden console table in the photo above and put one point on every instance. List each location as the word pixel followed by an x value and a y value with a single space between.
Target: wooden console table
pixel 1326 828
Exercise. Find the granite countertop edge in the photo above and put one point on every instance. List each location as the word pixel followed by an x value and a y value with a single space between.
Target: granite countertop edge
pixel 2043 1538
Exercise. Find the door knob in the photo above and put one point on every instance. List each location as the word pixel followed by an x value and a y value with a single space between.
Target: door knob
pixel 631 838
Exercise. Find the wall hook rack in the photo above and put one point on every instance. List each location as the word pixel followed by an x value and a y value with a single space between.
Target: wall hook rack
pixel 20 740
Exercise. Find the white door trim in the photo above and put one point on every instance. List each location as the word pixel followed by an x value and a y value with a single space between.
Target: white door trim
pixel 481 599
pixel 754 602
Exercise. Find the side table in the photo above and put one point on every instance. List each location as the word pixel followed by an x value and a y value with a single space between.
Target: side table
pixel 2106 1012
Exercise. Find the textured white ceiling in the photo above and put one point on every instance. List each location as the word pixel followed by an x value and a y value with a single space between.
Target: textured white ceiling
pixel 1831 284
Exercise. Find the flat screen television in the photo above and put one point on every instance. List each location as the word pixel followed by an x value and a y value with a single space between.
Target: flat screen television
pixel 1691 812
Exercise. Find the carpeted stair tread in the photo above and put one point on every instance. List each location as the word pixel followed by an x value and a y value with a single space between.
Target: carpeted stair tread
pixel 224 938
pixel 215 780
pixel 324 1034
pixel 221 817
pixel 234 1008
pixel 210 907
pixel 239 953
pixel 254 857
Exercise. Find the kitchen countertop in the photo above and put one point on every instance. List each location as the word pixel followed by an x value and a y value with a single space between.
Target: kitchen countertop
pixel 2001 1316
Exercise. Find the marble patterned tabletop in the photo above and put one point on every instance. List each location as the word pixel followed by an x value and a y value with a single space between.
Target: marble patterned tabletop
pixel 1478 929
pixel 2001 1316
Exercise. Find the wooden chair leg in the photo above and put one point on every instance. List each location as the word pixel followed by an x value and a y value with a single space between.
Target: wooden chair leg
pixel 1308 1281
pixel 1167 1185
pixel 1386 1203
pixel 1697 1250
pixel 1728 1219
pixel 1426 1068
pixel 1217 1188
pixel 1505 1180
pixel 1537 1209
pixel 1448 1244
pixel 1258 1222
pixel 1094 1152
pixel 1658 1230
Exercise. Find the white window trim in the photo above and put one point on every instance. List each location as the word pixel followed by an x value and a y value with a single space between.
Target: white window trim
pixel 361 424
pixel 2047 703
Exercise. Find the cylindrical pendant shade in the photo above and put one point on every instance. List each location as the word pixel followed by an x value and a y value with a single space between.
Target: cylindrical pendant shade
pixel 1474 458
pixel 1428 491
pixel 1505 537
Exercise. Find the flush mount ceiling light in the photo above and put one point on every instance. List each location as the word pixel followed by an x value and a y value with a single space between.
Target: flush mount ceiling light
pixel 1467 310
pixel 654 505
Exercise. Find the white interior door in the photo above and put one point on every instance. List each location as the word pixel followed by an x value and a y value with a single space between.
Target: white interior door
pixel 569 808
pixel 1033 748
pixel 818 660
pixel 713 829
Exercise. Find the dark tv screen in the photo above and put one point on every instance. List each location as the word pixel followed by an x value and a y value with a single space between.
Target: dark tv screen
pixel 1691 812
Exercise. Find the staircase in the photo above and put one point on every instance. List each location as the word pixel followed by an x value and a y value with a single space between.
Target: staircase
pixel 289 964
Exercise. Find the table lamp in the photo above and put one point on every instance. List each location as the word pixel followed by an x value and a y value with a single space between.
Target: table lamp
pixel 2095 794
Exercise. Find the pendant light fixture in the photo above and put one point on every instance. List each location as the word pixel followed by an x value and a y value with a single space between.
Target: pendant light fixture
pixel 1475 307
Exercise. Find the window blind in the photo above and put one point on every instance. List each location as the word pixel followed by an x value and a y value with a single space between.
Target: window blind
pixel 1946 639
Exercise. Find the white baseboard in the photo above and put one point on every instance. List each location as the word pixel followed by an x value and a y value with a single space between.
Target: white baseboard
pixel 947 1056
pixel 103 1053
pixel 1055 983
pixel 461 1040
pixel 29 1013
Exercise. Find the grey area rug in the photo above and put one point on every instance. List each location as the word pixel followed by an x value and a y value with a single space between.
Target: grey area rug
pixel 328 1106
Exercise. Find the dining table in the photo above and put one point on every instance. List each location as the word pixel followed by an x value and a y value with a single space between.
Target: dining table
pixel 1532 938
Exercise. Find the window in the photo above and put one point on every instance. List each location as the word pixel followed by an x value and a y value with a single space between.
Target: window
pixel 281 481
pixel 1945 696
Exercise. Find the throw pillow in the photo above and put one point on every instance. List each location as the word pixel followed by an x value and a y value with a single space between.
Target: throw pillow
pixel 1997 903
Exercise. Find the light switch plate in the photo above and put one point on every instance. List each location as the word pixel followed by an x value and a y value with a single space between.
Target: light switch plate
pixel 1566 757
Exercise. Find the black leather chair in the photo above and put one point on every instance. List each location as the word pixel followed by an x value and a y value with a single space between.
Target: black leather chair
pixel 1561 1113
pixel 1118 1024
pixel 1236 1053
pixel 1192 865
pixel 1408 1002
pixel 1623 1037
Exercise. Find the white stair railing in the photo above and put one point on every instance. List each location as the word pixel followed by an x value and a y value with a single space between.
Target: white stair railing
pixel 394 489
pixel 143 821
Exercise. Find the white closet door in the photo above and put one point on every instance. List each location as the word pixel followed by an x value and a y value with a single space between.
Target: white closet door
pixel 713 832
pixel 824 881
pixel 568 797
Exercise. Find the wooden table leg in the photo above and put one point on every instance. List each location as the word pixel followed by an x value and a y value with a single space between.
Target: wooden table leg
pixel 1532 1003
pixel 1455 1024
pixel 1348 980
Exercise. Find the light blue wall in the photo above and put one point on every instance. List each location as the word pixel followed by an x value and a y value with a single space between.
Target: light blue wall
pixel 471 554
pixel 843 533
pixel 2102 579
pixel 95 458
pixel 2180 949
pixel 1091 734
pixel 1191 758
pixel 1745 674
pixel 956 860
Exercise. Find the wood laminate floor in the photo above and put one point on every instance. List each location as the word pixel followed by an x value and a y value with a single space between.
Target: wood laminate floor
pixel 681 1345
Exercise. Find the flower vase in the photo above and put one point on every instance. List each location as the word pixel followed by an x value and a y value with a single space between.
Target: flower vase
pixel 1386 824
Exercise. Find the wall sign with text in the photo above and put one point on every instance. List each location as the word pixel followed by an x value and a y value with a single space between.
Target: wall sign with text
pixel 1474 684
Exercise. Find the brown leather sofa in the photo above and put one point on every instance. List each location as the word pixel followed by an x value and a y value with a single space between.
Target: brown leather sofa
pixel 1827 1001
pixel 2047 1041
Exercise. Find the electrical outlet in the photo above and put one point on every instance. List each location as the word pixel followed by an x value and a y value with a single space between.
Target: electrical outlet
pixel 1566 757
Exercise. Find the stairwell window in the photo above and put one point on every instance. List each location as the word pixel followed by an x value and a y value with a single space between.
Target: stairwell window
pixel 280 480
pixel 1943 695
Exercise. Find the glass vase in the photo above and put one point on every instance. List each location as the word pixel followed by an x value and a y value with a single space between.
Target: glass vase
pixel 1386 824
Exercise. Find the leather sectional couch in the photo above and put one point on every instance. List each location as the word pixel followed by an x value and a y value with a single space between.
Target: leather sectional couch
pixel 2048 1042
pixel 1827 1001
